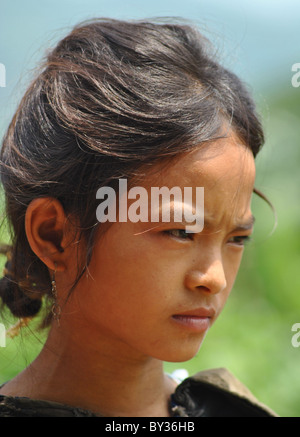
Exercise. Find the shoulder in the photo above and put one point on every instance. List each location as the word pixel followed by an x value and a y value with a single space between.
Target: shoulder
pixel 217 393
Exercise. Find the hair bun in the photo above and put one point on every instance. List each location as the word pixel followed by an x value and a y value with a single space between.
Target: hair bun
pixel 13 296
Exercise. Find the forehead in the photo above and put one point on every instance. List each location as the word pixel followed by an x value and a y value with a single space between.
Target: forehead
pixel 225 169
pixel 224 162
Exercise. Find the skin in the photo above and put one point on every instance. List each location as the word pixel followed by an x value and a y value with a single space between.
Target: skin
pixel 118 327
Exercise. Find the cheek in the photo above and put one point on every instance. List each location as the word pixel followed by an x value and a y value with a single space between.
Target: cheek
pixel 132 301
pixel 133 264
pixel 231 265
pixel 126 286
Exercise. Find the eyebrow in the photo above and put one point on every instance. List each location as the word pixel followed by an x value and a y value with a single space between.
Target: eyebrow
pixel 241 226
pixel 173 208
pixel 209 223
pixel 246 225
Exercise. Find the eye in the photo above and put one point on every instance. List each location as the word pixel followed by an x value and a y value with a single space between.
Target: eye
pixel 179 233
pixel 240 240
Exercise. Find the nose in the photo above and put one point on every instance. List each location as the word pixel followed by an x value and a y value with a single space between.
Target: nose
pixel 210 279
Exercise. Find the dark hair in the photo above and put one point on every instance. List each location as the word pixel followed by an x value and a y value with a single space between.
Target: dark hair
pixel 111 97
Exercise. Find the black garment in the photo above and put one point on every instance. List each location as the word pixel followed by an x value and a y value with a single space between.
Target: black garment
pixel 216 393
pixel 212 393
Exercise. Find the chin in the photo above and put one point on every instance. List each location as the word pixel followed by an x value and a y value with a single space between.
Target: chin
pixel 184 351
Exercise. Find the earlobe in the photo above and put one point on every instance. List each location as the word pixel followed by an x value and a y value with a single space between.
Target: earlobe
pixel 45 225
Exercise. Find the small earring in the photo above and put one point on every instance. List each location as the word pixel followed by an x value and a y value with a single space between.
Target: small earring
pixel 56 310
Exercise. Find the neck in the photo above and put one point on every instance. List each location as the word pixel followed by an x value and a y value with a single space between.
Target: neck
pixel 108 379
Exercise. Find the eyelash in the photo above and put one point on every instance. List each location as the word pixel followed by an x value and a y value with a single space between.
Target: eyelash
pixel 242 240
pixel 188 235
pixel 239 240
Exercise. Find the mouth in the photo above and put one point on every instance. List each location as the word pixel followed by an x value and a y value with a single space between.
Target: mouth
pixel 197 320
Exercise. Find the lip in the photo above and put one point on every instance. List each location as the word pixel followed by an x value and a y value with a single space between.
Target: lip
pixel 198 319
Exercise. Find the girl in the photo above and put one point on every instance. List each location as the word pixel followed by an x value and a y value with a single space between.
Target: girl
pixel 144 103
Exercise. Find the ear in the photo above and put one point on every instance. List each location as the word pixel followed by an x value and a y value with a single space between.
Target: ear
pixel 47 229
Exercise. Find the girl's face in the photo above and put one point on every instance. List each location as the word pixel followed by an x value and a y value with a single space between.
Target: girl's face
pixel 155 289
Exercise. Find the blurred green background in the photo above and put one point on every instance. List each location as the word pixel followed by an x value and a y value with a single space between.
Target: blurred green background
pixel 258 40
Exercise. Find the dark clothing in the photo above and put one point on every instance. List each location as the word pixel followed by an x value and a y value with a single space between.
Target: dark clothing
pixel 217 393
pixel 212 393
